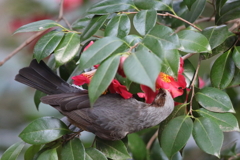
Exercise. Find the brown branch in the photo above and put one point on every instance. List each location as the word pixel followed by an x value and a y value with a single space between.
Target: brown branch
pixel 193 82
pixel 187 56
pixel 32 38
pixel 152 139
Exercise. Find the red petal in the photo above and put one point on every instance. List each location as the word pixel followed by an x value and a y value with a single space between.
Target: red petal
pixel 149 94
pixel 89 44
pixel 80 80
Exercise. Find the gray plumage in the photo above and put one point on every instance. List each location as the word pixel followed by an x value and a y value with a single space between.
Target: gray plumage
pixel 111 116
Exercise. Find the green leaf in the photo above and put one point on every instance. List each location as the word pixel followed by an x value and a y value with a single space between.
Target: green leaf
pixel 13 151
pixel 229 11
pixel 73 150
pixel 216 35
pixel 179 110
pixel 170 65
pixel 222 71
pixel 236 78
pixel 219 4
pixel 137 147
pixel 93 26
pixel 131 40
pixel 67 48
pixel 189 72
pixel 94 154
pixel 103 77
pixel 142 67
pixel 44 130
pixel 47 44
pixel 193 42
pixel 189 3
pixel 37 26
pixel 196 10
pixel 214 100
pixel 118 26
pixel 161 38
pixel 208 136
pixel 38 94
pixel 176 134
pixel 82 22
pixel 163 5
pixel 226 121
pixel 144 21
pixel 112 149
pixel 31 152
pixel 236 56
pixel 225 46
pixel 50 154
pixel 111 6
pixel 99 51
pixel 144 4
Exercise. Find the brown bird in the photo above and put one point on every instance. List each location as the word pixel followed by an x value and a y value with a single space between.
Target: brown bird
pixel 111 116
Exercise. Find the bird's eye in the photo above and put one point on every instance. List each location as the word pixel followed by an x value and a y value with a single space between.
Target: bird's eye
pixel 180 88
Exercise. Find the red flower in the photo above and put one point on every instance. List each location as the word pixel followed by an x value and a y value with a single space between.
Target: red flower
pixel 116 87
pixel 175 87
pixel 83 78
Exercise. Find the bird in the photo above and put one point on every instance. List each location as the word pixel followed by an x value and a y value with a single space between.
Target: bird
pixel 110 118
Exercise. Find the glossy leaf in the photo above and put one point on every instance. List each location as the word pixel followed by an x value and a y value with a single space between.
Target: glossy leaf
pixel 222 71
pixel 50 154
pixel 93 26
pixel 144 4
pixel 73 150
pixel 225 46
pixel 229 11
pixel 94 154
pixel 219 4
pixel 208 136
pixel 144 21
pixel 189 3
pixel 236 56
pixel 112 149
pixel 142 67
pixel 38 94
pixel 236 78
pixel 176 134
pixel 67 48
pixel 13 151
pixel 99 51
pixel 118 26
pixel 83 22
pixel 196 10
pixel 131 40
pixel 214 100
pixel 170 65
pixel 216 35
pixel 44 130
pixel 163 5
pixel 226 121
pixel 162 38
pixel 103 77
pixel 111 6
pixel 47 44
pixel 137 147
pixel 193 42
pixel 189 72
pixel 37 26
pixel 31 151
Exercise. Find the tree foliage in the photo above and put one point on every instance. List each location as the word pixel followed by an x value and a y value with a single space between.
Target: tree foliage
pixel 153 34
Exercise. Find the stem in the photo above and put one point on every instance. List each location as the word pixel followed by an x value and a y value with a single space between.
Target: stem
pixel 152 139
pixel 192 84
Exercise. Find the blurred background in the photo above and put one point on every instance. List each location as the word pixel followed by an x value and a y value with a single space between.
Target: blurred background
pixel 17 108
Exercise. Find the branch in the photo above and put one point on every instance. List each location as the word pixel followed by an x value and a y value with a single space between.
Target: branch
pixel 152 139
pixel 32 38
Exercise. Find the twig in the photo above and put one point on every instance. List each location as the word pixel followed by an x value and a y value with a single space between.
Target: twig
pixel 193 82
pixel 67 23
pixel 234 157
pixel 32 38
pixel 187 56
pixel 152 139
pixel 132 47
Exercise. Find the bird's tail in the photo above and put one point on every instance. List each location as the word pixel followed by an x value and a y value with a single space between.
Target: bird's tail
pixel 42 78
